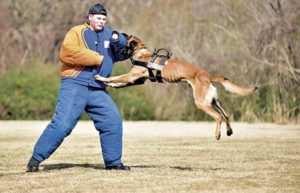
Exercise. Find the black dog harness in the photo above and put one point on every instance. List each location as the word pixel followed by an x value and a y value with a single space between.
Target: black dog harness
pixel 164 54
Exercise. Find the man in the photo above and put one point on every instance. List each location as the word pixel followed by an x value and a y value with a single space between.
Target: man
pixel 87 50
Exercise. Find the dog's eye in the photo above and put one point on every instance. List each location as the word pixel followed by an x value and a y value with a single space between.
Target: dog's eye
pixel 133 44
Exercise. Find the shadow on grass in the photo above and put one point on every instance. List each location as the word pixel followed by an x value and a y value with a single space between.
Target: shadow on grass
pixel 61 166
pixel 182 168
pixel 191 169
pixel 144 166
pixel 177 168
pixel 48 167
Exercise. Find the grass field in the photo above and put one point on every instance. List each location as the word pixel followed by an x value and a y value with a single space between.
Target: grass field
pixel 165 157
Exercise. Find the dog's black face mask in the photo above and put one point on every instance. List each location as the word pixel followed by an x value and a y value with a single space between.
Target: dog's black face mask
pixel 130 46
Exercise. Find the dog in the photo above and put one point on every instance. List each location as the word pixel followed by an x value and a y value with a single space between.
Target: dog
pixel 204 92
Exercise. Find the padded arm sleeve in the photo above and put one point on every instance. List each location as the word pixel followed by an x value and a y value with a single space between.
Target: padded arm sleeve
pixel 72 54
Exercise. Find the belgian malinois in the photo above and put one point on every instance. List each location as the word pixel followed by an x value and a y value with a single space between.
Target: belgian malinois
pixel 204 92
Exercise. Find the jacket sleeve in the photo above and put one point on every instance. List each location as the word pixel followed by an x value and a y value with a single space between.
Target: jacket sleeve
pixel 118 46
pixel 120 43
pixel 72 54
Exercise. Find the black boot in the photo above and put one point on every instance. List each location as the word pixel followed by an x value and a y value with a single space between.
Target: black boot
pixel 33 165
pixel 121 166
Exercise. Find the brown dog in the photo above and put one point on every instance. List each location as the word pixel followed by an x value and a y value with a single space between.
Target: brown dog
pixel 205 94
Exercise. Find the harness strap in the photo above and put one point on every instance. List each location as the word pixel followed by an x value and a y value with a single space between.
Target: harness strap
pixel 139 63
pixel 145 64
pixel 151 74
pixel 158 73
pixel 151 65
pixel 162 62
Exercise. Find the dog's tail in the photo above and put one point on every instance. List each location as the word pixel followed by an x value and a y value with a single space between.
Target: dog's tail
pixel 231 87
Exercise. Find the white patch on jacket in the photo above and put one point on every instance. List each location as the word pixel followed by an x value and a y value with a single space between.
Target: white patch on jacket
pixel 106 44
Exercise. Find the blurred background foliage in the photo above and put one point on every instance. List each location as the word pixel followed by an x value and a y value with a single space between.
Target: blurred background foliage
pixel 255 42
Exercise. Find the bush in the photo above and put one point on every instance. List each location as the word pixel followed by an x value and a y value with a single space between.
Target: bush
pixel 29 92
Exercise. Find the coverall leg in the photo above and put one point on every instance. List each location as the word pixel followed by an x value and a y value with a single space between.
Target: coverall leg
pixel 72 99
pixel 108 121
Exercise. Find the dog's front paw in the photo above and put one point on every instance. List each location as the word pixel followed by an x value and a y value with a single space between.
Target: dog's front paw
pixel 100 78
pixel 115 85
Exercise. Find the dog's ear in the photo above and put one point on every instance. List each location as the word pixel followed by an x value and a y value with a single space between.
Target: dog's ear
pixel 125 35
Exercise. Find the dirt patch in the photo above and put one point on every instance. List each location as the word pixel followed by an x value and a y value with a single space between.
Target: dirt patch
pixel 164 129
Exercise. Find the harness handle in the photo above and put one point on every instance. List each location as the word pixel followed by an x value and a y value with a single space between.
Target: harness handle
pixel 167 53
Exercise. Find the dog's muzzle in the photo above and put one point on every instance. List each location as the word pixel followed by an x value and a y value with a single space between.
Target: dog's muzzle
pixel 126 52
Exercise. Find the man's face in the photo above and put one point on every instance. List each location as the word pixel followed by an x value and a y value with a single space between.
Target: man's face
pixel 97 21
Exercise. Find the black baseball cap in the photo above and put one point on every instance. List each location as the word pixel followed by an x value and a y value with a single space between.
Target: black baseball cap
pixel 97 9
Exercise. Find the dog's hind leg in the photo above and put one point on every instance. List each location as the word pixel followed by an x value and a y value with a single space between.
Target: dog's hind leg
pixel 203 96
pixel 210 111
pixel 217 104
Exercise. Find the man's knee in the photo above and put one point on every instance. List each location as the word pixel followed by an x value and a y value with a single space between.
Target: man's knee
pixel 62 128
pixel 113 126
pixel 110 129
